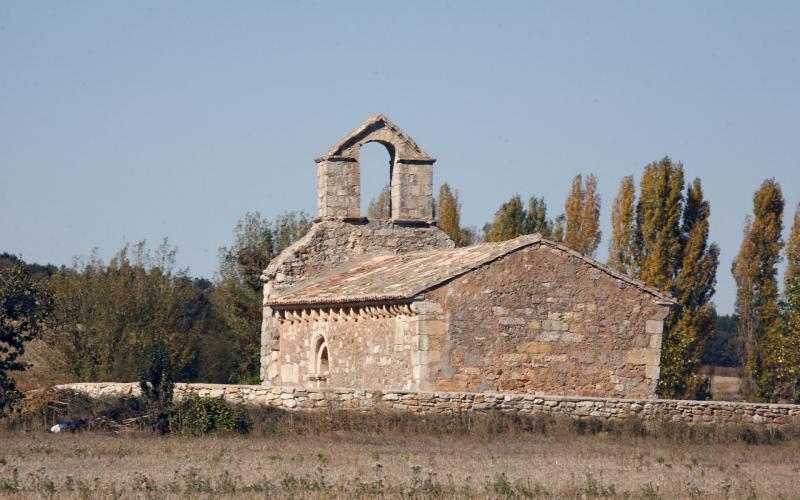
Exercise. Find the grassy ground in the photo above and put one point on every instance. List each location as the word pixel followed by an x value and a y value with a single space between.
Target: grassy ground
pixel 346 464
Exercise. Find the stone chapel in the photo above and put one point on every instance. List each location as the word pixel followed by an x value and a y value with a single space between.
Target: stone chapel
pixel 392 304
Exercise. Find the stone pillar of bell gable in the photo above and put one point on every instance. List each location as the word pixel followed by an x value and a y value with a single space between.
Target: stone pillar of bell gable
pixel 412 190
pixel 338 188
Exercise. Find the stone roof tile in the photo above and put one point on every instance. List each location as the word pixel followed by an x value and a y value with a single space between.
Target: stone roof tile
pixel 388 278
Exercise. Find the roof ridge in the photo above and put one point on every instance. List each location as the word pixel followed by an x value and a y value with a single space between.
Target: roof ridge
pixel 409 287
pixel 612 272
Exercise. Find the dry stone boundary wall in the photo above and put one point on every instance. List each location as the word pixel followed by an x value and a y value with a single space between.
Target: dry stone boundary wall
pixel 297 399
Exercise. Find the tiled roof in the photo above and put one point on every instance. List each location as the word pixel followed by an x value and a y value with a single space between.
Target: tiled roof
pixel 387 278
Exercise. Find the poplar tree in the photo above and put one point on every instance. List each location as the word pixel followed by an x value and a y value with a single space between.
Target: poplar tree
pixel 620 255
pixel 664 243
pixel 757 307
pixel 582 210
pixel 657 244
pixel 380 207
pixel 558 228
pixel 449 212
pixel 793 250
pixel 781 372
pixel 510 221
pixel 694 320
pixel 537 220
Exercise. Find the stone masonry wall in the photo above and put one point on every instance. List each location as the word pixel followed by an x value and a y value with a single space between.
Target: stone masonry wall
pixel 542 320
pixel 365 350
pixel 328 244
pixel 333 242
pixel 294 399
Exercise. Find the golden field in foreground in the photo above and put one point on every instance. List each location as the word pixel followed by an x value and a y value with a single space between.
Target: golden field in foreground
pixel 343 464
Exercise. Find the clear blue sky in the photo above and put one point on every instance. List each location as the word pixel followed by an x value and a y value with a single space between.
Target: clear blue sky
pixel 128 121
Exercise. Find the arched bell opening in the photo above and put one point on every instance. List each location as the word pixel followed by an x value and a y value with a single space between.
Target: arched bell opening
pixel 376 179
pixel 339 172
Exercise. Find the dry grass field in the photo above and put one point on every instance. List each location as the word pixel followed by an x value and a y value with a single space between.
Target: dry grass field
pixel 349 464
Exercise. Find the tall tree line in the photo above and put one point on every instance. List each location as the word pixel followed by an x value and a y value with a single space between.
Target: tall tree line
pixel 661 238
pixel 106 313
pixel 768 325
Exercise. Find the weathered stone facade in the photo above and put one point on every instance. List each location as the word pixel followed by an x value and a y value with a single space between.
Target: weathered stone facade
pixel 544 320
pixel 563 326
pixel 391 304
pixel 304 399
pixel 327 245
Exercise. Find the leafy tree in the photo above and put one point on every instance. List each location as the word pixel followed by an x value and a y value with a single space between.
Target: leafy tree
pixel 537 220
pixel 582 210
pixel 657 241
pixel 793 250
pixel 25 309
pixel 666 246
pixel 238 294
pixel 381 206
pixel 449 212
pixel 287 228
pixel 558 227
pixel 156 380
pixel 694 319
pixel 107 313
pixel 512 219
pixel 755 272
pixel 780 376
pixel 156 383
pixel 35 271
pixel 620 255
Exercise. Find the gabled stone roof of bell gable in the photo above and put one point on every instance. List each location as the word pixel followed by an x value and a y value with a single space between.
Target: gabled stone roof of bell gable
pixel 393 278
pixel 378 128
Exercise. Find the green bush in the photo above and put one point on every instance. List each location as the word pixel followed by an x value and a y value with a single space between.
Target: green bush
pixel 197 416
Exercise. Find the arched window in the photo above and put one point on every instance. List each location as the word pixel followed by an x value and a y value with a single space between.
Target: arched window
pixel 324 364
pixel 321 357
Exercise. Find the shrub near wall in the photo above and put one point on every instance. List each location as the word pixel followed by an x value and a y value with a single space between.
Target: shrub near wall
pixel 196 416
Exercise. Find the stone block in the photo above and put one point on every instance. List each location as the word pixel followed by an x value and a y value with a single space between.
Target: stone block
pixel 536 347
pixel 426 307
pixel 548 336
pixel 642 356
pixel 510 320
pixel 655 340
pixel 654 326
pixel 652 372
pixel 571 337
